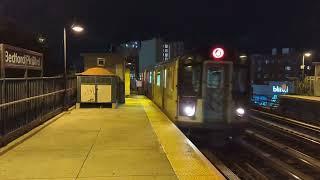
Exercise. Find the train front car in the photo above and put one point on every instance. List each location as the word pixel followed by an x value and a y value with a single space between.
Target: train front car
pixel 205 103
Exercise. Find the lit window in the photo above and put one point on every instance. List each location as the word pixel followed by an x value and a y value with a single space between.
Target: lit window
pixel 150 77
pixel 158 79
pixel 166 45
pixel 288 68
pixel 101 62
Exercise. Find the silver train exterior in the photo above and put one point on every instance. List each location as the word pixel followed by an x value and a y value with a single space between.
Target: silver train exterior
pixel 195 93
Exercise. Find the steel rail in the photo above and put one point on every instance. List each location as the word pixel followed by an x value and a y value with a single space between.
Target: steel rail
pixel 220 165
pixel 288 130
pixel 286 149
pixel 256 172
pixel 243 172
pixel 292 121
pixel 278 165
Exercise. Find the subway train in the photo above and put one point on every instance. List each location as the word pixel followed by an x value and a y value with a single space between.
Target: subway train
pixel 200 91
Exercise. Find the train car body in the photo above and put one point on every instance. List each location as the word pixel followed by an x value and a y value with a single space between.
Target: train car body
pixel 195 93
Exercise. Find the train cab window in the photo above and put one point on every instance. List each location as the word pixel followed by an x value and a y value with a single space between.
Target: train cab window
pixel 191 80
pixel 214 78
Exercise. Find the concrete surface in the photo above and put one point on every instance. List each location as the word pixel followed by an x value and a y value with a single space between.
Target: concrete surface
pixel 107 144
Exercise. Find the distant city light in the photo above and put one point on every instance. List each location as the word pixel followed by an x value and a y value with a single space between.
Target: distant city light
pixel 243 56
pixel 41 40
pixel 129 63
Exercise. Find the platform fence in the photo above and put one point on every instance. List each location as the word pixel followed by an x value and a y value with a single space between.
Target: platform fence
pixel 29 102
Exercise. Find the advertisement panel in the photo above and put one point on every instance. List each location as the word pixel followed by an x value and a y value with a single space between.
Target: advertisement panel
pixel 268 94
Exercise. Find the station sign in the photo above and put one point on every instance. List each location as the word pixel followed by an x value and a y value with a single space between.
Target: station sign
pixel 14 57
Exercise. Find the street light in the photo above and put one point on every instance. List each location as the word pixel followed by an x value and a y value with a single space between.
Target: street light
pixel 77 29
pixel 303 66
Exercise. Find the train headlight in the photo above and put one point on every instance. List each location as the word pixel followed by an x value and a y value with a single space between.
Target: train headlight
pixel 189 110
pixel 240 111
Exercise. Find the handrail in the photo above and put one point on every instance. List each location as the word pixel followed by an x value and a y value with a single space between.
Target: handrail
pixel 36 78
pixel 34 97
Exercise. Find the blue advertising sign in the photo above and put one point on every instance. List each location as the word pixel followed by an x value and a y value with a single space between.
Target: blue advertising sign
pixel 268 95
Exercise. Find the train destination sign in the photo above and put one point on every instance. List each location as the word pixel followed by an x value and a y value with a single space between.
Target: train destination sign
pixel 14 57
pixel 217 53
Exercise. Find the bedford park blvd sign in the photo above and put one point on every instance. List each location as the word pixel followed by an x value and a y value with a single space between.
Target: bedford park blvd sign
pixel 13 57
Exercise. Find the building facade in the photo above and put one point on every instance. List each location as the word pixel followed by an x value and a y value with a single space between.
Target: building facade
pixel 283 66
pixel 156 50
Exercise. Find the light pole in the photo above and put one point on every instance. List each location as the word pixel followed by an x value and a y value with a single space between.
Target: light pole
pixel 77 29
pixel 303 64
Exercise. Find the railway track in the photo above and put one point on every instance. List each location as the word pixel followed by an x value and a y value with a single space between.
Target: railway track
pixel 273 147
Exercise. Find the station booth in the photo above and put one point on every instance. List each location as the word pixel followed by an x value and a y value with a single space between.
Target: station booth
pixel 98 86
pixel 103 81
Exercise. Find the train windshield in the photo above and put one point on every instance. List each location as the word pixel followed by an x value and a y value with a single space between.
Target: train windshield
pixel 191 80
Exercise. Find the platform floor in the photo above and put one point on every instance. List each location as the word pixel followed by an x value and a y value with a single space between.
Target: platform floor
pixel 306 98
pixel 135 141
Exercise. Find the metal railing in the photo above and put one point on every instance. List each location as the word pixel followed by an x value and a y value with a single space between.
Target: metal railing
pixel 28 102
pixel 305 87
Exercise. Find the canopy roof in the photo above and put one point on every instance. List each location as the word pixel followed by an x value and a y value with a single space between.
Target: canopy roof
pixel 97 71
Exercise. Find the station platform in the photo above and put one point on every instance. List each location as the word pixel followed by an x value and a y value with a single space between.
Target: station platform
pixel 305 98
pixel 135 141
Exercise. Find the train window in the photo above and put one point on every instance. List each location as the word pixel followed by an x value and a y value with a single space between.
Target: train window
pixel 158 79
pixel 191 79
pixel 150 77
pixel 214 78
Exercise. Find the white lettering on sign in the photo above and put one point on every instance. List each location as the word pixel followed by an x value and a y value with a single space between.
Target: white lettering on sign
pixel 16 59
pixel 280 89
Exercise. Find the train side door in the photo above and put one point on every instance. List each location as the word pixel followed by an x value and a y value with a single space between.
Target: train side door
pixel 216 91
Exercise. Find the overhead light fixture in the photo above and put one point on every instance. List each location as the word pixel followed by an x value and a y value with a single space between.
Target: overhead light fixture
pixel 307 54
pixel 77 28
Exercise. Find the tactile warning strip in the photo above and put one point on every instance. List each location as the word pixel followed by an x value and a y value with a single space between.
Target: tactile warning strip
pixel 186 160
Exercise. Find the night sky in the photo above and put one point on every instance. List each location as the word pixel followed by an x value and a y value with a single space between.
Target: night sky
pixel 251 23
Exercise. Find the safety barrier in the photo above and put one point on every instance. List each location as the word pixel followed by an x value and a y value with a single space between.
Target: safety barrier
pixel 28 102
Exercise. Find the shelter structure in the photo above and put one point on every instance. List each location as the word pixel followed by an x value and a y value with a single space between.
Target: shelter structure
pixel 103 79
